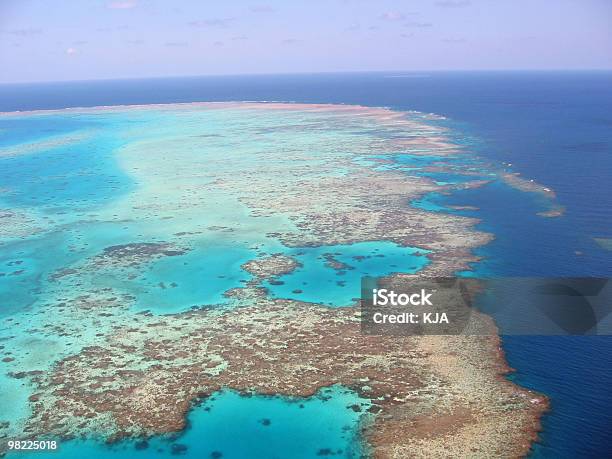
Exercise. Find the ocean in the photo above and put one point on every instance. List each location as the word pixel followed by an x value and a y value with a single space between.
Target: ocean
pixel 553 127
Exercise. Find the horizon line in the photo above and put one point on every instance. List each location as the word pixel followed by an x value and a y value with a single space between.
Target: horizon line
pixel 332 72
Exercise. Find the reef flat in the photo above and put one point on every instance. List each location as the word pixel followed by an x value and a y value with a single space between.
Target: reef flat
pixel 128 304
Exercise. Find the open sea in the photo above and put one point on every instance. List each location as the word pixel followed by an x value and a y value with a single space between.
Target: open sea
pixel 553 127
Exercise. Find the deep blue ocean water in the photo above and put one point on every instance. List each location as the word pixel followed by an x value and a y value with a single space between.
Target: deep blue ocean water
pixel 554 127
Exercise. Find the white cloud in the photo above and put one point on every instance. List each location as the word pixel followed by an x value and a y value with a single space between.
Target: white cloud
pixel 213 22
pixel 122 5
pixel 453 3
pixel 176 44
pixel 27 32
pixel 392 16
pixel 261 9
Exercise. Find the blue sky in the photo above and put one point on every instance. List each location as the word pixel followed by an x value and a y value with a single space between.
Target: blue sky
pixel 42 40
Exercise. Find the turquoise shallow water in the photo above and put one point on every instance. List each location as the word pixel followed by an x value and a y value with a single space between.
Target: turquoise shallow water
pixel 96 188
pixel 199 277
pixel 430 202
pixel 525 118
pixel 232 426
pixel 72 191
pixel 73 169
pixel 332 274
pixel 26 129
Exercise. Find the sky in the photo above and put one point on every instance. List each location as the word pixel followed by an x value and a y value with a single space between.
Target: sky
pixel 43 40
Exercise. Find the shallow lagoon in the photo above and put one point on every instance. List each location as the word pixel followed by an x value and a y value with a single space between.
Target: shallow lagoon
pixel 538 130
pixel 331 275
pixel 112 187
pixel 197 278
pixel 233 426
